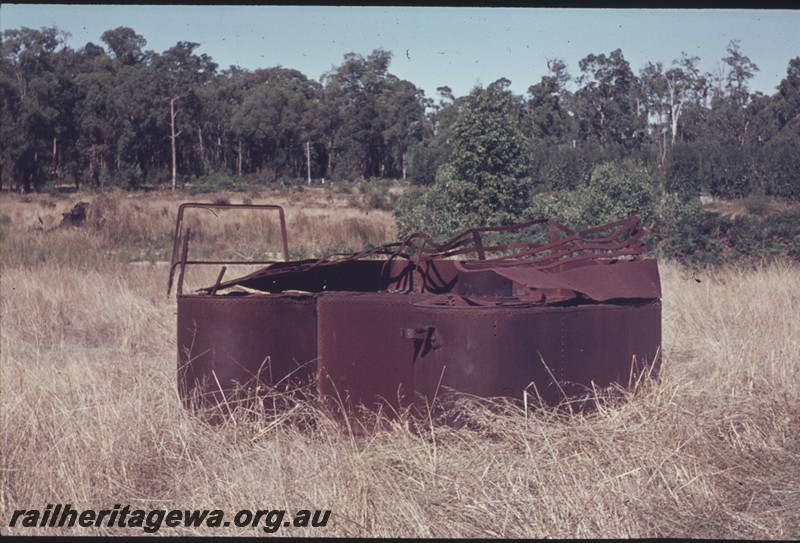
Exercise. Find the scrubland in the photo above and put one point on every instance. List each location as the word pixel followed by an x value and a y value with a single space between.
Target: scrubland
pixel 91 417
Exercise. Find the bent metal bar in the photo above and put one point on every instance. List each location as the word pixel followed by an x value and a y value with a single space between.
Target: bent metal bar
pixel 404 323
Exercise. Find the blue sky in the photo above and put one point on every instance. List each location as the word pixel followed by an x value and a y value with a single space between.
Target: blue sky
pixel 434 46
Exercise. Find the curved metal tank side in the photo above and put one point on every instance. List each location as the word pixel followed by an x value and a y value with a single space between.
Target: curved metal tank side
pixel 493 352
pixel 228 341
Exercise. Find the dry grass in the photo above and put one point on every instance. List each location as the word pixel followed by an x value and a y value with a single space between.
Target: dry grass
pixel 140 228
pixel 90 416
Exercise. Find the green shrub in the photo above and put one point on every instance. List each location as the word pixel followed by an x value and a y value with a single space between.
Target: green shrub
pixel 216 182
pixel 425 210
pixel 781 167
pixel 614 192
pixel 618 191
pixel 687 232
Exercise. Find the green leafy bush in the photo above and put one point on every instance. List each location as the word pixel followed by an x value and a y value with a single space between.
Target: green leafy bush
pixel 614 192
pixel 216 182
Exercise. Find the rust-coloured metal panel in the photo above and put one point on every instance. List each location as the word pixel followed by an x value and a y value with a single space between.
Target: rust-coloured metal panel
pixel 489 351
pixel 363 358
pixel 607 344
pixel 552 351
pixel 401 324
pixel 226 342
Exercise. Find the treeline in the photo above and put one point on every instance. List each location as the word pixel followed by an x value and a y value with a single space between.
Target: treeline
pixel 120 115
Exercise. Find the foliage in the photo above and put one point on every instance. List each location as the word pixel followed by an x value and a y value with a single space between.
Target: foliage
pixel 429 209
pixel 215 182
pixel 686 232
pixel 614 192
pixel 485 179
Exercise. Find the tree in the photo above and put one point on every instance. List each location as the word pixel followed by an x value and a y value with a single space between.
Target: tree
pixel 730 118
pixel 401 109
pixel 686 86
pixel 124 44
pixel 741 71
pixel 788 99
pixel 273 119
pixel 29 111
pixel 372 117
pixel 485 179
pixel 181 73
pixel 607 102
pixel 656 94
pixel 547 119
pixel 433 149
pixel 667 95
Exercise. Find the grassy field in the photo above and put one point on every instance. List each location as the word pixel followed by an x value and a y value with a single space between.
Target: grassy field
pixel 90 413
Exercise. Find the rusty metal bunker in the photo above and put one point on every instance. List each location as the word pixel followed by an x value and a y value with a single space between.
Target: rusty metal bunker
pixel 407 322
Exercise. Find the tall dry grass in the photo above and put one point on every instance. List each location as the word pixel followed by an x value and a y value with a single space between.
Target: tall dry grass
pixel 90 416
pixel 140 228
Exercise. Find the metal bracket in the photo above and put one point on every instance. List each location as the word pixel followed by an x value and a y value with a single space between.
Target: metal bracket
pixel 424 338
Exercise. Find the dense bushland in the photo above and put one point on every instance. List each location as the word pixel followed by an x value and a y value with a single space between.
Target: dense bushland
pixel 124 116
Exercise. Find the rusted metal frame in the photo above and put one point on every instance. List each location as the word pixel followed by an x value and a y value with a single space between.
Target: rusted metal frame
pixel 521 258
pixel 238 262
pixel 175 242
pixel 431 251
pixel 219 280
pixel 599 258
pixel 559 256
pixel 610 244
pixel 279 209
pixel 598 251
pixel 624 224
pixel 470 234
pixel 184 254
pixel 460 244
pixel 532 248
pixel 178 237
pixel 475 233
pixel 545 263
pixel 346 257
pixel 599 248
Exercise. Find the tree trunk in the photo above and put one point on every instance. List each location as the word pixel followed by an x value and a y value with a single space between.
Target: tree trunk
pixel 330 158
pixel 239 158
pixel 308 160
pixel 602 135
pixel 203 160
pixel 55 157
pixel 173 136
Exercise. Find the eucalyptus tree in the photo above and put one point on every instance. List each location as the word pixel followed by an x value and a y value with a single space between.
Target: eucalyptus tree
pixel 274 123
pixel 548 120
pixel 352 91
pixel 94 113
pixel 401 109
pixel 433 148
pixel 29 90
pixel 372 116
pixel 730 119
pixel 607 102
pixel 788 101
pixel 180 73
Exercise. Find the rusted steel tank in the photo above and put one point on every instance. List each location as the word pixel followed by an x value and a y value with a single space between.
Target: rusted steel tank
pixel 405 323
